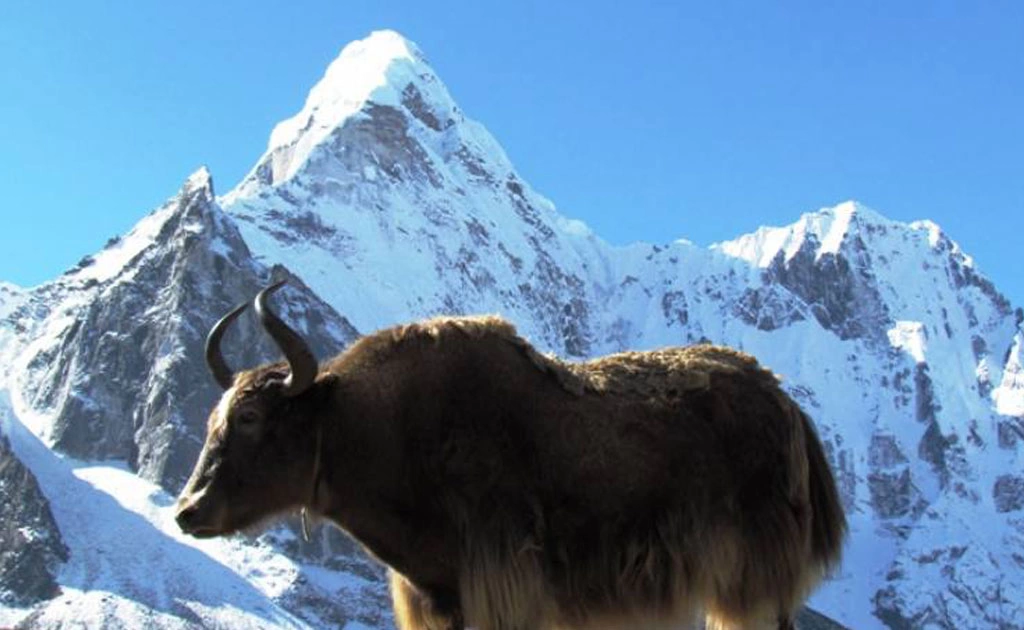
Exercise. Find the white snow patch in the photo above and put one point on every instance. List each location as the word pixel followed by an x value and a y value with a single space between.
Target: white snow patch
pixel 119 528
pixel 219 246
pixel 834 226
pixel 30 534
pixel 575 227
pixel 1009 396
pixel 932 229
pixel 11 298
pixel 910 337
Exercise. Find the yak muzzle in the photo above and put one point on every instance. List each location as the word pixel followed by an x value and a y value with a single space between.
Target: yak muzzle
pixel 196 520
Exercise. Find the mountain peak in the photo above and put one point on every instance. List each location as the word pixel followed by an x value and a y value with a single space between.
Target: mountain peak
pixel 829 227
pixel 383 45
pixel 381 60
pixel 377 69
pixel 200 180
pixel 189 206
pixel 826 230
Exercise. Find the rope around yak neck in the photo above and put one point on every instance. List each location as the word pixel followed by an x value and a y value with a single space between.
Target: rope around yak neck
pixel 316 481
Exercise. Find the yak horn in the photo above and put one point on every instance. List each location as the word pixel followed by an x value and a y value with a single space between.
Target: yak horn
pixel 214 359
pixel 303 364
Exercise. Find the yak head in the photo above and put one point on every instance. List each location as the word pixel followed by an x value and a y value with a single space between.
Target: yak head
pixel 261 452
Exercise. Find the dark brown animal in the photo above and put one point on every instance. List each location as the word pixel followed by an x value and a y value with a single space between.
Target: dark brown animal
pixel 507 490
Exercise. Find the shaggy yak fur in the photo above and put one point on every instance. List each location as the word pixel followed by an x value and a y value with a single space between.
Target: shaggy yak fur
pixel 507 490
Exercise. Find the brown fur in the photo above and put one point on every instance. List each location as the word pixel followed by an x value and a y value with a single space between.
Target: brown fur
pixel 507 490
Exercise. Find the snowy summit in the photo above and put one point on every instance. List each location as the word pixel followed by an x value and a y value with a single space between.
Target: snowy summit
pixel 369 70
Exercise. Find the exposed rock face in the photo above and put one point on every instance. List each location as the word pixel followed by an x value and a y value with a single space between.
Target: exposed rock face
pixel 142 332
pixel 1008 493
pixel 31 549
pixel 839 288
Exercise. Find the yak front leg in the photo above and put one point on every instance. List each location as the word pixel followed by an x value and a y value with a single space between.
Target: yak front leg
pixel 419 609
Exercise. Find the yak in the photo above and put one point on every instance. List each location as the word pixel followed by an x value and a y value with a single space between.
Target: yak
pixel 506 489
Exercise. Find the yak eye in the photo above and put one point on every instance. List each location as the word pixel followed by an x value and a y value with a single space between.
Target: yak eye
pixel 247 419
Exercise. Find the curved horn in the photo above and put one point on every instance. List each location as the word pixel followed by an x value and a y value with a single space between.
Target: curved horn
pixel 300 359
pixel 214 359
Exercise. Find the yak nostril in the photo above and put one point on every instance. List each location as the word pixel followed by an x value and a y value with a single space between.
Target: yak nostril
pixel 186 517
pixel 199 519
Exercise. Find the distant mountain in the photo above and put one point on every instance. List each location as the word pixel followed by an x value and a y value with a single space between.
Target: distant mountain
pixel 383 202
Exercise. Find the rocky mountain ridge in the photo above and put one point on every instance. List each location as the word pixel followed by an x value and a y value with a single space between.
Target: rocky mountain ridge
pixel 383 203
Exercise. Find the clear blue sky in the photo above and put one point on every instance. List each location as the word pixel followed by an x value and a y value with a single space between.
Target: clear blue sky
pixel 648 120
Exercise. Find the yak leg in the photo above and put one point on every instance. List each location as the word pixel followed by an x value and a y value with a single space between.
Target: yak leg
pixel 759 622
pixel 417 609
pixel 504 590
pixel 786 623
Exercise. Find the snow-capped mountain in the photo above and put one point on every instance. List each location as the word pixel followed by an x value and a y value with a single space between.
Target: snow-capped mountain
pixel 399 206
pixel 384 203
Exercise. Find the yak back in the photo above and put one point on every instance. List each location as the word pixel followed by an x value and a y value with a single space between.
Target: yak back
pixel 654 374
pixel 481 406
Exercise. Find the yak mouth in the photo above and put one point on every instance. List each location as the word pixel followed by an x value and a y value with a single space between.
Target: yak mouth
pixel 194 527
pixel 204 532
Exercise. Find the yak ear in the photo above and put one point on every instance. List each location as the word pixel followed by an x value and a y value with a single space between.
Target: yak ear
pixel 301 361
pixel 224 376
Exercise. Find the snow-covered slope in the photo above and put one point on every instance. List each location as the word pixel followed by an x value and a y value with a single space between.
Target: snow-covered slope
pixel 129 567
pixel 384 203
